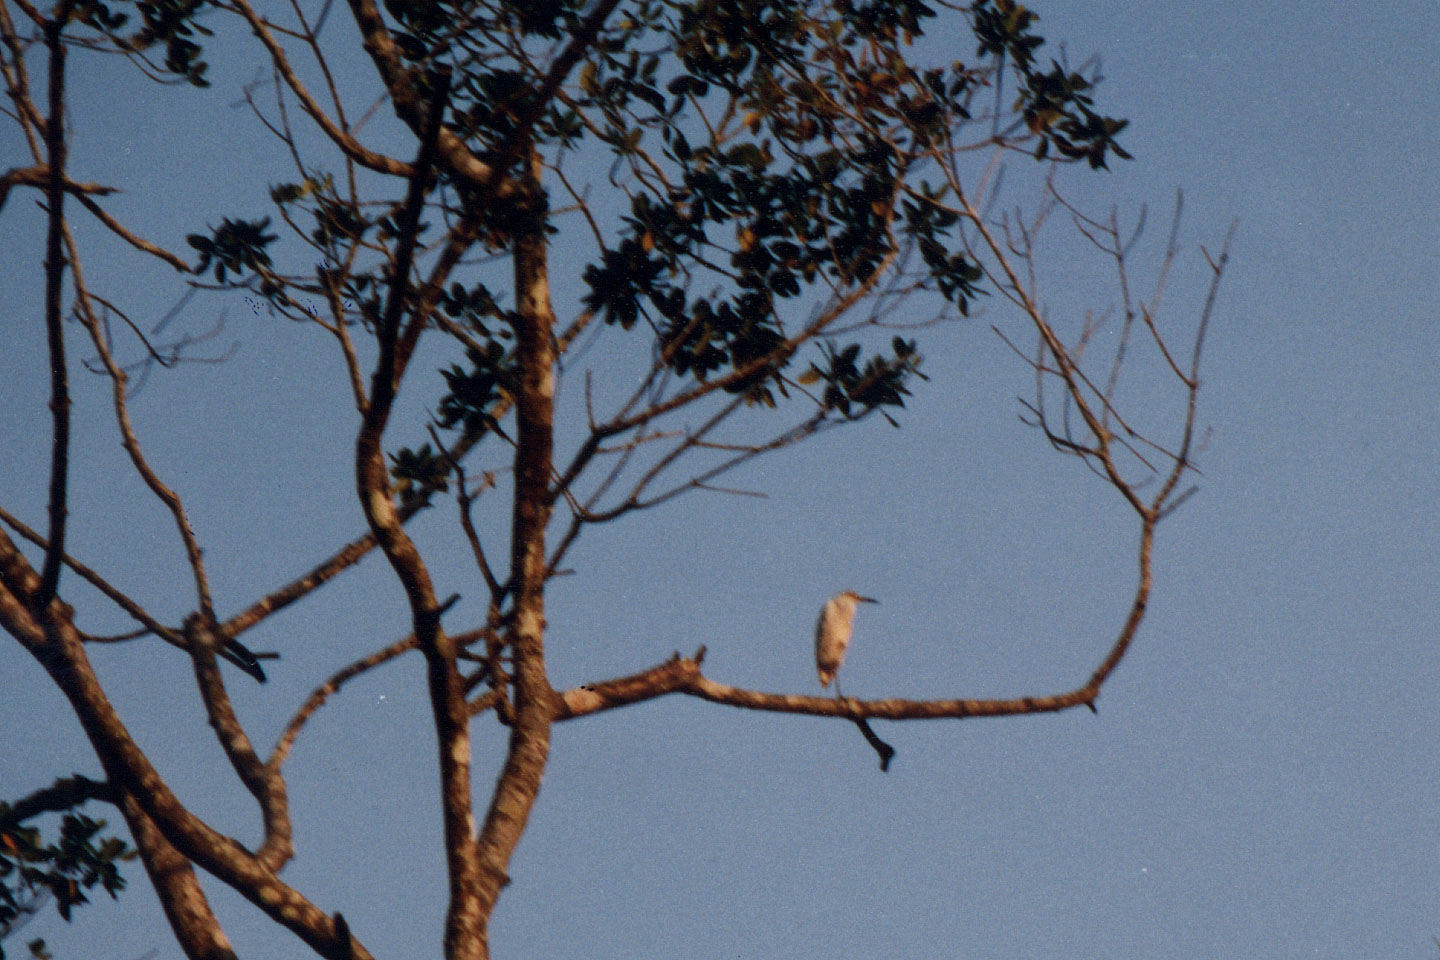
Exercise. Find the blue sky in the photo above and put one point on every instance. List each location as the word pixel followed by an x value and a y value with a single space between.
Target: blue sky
pixel 1260 779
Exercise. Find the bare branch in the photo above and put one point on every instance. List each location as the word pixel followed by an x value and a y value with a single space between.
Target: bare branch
pixel 465 916
pixel 464 499
pixel 344 558
pixel 131 442
pixel 17 83
pixel 48 634
pixel 231 650
pixel 338 135
pixel 322 693
pixel 681 675
pixel 54 277
pixel 533 324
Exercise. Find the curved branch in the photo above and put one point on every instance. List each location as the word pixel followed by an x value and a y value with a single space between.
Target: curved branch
pixel 323 692
pixel 464 924
pixel 265 785
pixel 119 229
pixel 128 439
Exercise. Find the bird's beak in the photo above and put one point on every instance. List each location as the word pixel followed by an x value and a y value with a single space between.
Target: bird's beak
pixel 867 600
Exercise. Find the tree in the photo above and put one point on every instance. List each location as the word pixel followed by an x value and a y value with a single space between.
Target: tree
pixel 785 182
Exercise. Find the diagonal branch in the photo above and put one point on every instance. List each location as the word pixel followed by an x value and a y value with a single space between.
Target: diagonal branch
pixel 338 135
pixel 399 82
pixel 50 636
pixel 235 652
pixel 581 40
pixel 350 554
pixel 231 651
pixel 322 693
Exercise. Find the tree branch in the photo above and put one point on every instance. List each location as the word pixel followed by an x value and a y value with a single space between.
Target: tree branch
pixel 67 793
pixel 197 929
pixel 681 675
pixel 331 686
pixel 533 324
pixel 231 651
pixel 464 920
pixel 403 94
pixel 340 136
pixel 264 784
pixel 54 278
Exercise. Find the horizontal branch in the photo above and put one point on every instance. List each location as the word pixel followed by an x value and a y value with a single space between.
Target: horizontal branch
pixel 38 176
pixel 64 794
pixel 682 675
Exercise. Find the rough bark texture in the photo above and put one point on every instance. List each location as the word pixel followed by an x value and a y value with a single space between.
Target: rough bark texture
pixel 519 782
pixel 196 929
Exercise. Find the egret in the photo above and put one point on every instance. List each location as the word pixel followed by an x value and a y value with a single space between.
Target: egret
pixel 832 634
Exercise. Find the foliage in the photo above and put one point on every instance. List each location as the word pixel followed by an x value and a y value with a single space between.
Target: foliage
pixel 236 246
pixel 169 22
pixel 78 860
pixel 764 148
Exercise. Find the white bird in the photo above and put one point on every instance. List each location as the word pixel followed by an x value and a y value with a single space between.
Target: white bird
pixel 832 634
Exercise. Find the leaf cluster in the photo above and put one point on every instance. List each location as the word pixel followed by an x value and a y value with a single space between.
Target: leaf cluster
pixel 806 183
pixel 1056 105
pixel 495 43
pixel 169 22
pixel 415 474
pixel 473 391
pixel 80 859
pixel 236 246
pixel 880 383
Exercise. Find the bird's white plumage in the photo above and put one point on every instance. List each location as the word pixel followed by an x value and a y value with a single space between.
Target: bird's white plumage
pixel 832 633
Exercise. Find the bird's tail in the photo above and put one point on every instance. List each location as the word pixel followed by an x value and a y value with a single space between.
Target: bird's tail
pixel 238 654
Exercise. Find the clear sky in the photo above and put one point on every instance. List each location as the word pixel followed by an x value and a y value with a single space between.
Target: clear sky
pixel 1260 780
